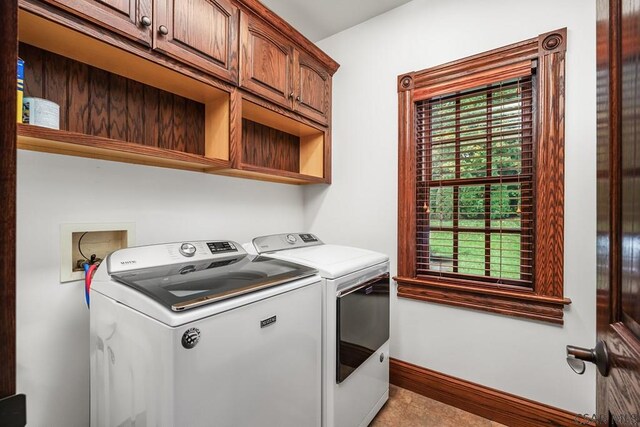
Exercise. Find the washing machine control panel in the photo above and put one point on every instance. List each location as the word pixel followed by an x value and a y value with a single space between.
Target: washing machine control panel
pixel 172 253
pixel 278 242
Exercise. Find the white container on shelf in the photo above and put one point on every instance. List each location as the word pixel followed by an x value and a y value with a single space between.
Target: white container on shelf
pixel 41 112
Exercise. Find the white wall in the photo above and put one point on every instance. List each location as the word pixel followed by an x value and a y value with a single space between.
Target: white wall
pixel 523 357
pixel 359 208
pixel 166 205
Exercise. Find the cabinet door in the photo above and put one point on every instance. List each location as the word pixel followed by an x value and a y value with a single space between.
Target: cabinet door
pixel 131 18
pixel 266 63
pixel 312 89
pixel 203 33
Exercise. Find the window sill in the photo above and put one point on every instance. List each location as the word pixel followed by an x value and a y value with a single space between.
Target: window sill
pixel 517 303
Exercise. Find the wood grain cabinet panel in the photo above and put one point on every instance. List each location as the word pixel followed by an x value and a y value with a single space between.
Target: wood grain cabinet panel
pixel 313 89
pixel 203 33
pixel 266 67
pixel 123 16
pixel 276 69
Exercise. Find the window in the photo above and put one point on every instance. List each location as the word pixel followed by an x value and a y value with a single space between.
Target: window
pixel 481 166
pixel 474 184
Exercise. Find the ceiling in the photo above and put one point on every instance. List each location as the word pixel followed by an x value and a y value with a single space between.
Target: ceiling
pixel 318 19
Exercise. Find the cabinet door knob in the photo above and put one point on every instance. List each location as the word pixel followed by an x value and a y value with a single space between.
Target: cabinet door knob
pixel 298 98
pixel 291 95
pixel 145 21
pixel 163 30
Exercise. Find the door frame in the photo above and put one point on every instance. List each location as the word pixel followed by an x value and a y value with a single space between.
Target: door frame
pixel 8 57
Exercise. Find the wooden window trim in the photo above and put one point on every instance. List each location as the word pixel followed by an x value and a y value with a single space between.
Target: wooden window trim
pixel 545 301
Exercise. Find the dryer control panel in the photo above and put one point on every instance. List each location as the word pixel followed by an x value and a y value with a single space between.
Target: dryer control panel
pixel 280 242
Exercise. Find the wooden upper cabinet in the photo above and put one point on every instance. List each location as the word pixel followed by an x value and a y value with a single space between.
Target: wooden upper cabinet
pixel 266 62
pixel 312 89
pixel 131 18
pixel 274 68
pixel 239 41
pixel 203 33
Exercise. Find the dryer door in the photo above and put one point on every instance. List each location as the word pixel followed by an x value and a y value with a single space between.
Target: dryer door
pixel 362 316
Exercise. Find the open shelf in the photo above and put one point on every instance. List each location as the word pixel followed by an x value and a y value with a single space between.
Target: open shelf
pixel 111 99
pixel 278 146
pixel 46 140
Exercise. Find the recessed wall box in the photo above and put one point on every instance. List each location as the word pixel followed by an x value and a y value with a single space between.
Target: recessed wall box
pixel 80 241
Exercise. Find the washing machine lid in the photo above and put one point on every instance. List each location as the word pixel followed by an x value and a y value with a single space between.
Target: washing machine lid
pixel 332 261
pixel 192 284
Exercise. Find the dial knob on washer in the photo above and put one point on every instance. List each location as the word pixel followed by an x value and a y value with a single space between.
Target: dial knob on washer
pixel 187 249
pixel 291 238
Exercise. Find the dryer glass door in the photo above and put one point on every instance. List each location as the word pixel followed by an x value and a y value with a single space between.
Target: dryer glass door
pixel 362 324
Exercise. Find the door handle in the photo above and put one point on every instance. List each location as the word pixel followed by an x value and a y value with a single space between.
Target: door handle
pixel 352 289
pixel 576 356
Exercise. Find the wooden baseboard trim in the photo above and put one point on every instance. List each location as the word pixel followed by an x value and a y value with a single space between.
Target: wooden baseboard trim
pixel 486 402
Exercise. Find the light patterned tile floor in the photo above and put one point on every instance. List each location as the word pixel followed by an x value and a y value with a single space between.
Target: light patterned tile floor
pixel 407 409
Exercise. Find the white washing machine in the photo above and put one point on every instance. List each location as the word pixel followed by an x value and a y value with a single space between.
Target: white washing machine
pixel 202 334
pixel 355 336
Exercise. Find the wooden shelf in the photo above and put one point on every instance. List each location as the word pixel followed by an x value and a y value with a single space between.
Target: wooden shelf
pixel 83 74
pixel 46 140
pixel 277 175
pixel 275 144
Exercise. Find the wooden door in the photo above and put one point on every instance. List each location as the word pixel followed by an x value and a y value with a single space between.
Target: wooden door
pixel 266 66
pixel 8 57
pixel 12 406
pixel 203 33
pixel 618 295
pixel 312 88
pixel 131 18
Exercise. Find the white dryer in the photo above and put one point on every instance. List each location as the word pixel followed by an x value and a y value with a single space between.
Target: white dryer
pixel 355 333
pixel 201 334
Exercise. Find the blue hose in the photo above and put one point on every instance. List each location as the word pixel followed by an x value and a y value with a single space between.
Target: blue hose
pixel 86 289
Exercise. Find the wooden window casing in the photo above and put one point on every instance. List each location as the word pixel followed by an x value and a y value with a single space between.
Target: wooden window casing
pixel 535 290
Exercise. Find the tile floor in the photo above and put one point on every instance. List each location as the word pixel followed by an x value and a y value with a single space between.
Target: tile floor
pixel 407 409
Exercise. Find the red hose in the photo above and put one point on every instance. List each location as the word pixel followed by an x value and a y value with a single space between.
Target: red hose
pixel 87 281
